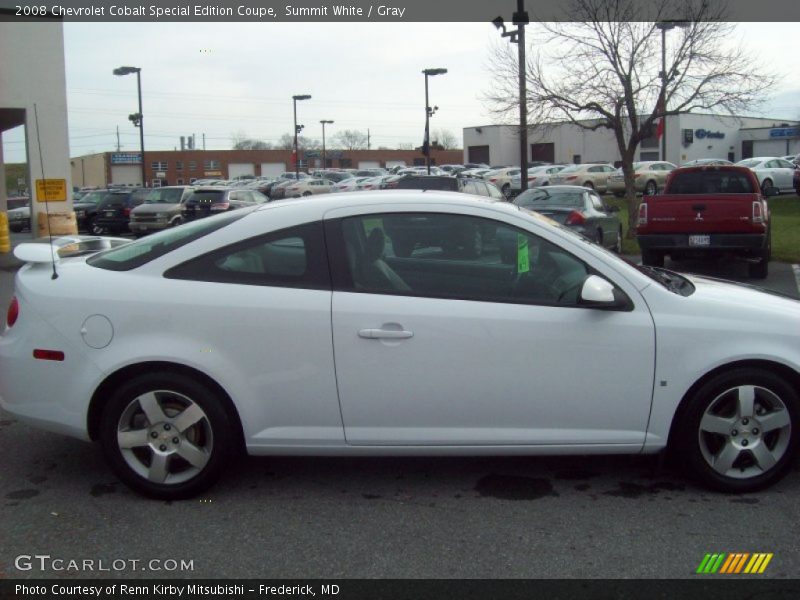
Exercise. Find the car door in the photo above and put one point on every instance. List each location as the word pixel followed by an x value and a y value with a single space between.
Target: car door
pixel 436 349
pixel 784 172
pixel 603 218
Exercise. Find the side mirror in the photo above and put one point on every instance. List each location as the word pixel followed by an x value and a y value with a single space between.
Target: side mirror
pixel 597 292
pixel 772 191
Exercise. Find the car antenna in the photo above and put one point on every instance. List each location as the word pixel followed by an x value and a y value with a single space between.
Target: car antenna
pixel 44 185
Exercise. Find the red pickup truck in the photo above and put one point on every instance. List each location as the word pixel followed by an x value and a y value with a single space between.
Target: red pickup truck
pixel 707 211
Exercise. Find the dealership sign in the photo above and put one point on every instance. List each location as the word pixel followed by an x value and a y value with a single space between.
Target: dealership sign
pixel 126 158
pixel 702 134
pixel 785 132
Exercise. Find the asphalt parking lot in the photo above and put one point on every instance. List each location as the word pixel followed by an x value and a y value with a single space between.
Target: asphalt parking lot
pixel 284 517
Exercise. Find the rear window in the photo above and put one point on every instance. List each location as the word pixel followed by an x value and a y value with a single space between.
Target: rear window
pixel 710 182
pixel 206 196
pixel 534 199
pixel 140 252
pixel 425 183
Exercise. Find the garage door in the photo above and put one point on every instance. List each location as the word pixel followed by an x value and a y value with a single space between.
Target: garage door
pixel 238 169
pixel 272 169
pixel 369 164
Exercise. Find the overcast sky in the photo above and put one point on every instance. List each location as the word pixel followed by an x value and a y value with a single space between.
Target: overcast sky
pixel 221 78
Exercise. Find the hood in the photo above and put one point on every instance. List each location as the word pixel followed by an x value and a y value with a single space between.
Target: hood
pixel 731 298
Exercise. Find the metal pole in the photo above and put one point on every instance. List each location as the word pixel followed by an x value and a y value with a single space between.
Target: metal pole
pixel 427 144
pixel 523 104
pixel 296 165
pixel 141 125
pixel 664 93
pixel 324 159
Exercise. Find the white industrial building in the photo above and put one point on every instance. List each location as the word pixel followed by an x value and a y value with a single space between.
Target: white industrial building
pixel 33 94
pixel 689 136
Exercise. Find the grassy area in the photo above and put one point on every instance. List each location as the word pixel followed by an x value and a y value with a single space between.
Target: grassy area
pixel 785 212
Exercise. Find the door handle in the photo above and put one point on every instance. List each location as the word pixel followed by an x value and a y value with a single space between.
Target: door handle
pixel 389 334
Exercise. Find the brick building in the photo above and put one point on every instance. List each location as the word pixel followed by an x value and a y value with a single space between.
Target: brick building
pixel 175 167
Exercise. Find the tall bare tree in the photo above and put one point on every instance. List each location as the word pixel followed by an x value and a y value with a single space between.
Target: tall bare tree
pixel 286 142
pixel 603 70
pixel 240 141
pixel 350 139
pixel 445 138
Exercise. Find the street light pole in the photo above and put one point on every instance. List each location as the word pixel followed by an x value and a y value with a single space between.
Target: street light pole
pixel 520 19
pixel 138 118
pixel 324 159
pixel 296 131
pixel 426 144
pixel 665 26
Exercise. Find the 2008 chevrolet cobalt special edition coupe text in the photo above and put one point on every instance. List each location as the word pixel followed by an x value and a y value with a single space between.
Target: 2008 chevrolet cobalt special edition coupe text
pixel 295 328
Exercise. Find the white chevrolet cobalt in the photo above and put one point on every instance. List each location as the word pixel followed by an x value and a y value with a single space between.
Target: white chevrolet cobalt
pixel 295 328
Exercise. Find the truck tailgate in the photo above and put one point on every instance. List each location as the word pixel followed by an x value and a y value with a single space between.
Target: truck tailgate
pixel 700 213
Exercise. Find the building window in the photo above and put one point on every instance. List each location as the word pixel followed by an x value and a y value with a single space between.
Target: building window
pixel 180 181
pixel 211 165
pixel 159 166
pixel 192 165
pixel 179 165
pixel 648 156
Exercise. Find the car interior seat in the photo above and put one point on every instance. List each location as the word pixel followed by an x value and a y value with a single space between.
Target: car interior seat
pixel 373 273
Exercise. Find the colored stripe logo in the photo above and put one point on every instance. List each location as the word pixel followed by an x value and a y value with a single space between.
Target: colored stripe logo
pixel 735 563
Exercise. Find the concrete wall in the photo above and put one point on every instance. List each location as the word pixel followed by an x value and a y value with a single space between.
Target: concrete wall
pixel 91 171
pixel 32 74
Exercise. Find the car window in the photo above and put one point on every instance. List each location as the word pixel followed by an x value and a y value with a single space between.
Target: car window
pixel 456 257
pixel 711 182
pixel 140 252
pixel 293 257
pixel 542 197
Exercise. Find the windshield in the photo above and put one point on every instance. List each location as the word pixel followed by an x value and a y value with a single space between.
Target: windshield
pixel 749 163
pixel 540 198
pixel 164 196
pixel 570 169
pixel 94 197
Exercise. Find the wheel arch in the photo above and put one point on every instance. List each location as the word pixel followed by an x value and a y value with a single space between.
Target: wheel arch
pixel 110 383
pixel 791 376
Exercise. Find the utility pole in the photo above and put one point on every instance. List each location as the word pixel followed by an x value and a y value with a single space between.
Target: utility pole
pixel 118 146
pixel 204 141
pixel 368 139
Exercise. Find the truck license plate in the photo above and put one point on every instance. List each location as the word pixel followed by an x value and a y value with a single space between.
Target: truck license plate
pixel 699 240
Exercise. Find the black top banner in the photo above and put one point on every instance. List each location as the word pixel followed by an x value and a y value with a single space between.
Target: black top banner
pixel 390 11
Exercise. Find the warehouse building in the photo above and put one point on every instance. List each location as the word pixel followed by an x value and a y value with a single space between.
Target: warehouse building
pixel 689 136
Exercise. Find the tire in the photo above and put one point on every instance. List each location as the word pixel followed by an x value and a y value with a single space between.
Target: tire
pixel 760 269
pixel 765 184
pixel 16 228
pixel 306 194
pixel 652 259
pixel 619 194
pixel 505 189
pixel 207 443
pixel 650 188
pixel 618 244
pixel 739 431
pixel 94 228
pixel 588 184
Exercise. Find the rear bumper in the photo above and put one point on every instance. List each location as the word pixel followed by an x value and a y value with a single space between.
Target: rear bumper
pixel 744 243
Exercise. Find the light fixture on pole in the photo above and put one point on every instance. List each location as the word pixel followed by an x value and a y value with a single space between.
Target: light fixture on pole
pixel 137 118
pixel 665 77
pixel 517 36
pixel 296 131
pixel 426 143
pixel 324 159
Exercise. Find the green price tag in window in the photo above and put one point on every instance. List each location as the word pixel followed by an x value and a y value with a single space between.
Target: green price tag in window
pixel 523 260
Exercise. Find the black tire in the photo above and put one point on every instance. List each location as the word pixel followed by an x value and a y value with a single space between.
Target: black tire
pixel 588 184
pixel 618 245
pixel 650 188
pixel 767 183
pixel 209 440
pixel 760 269
pixel 306 193
pixel 737 459
pixel 652 259
pixel 94 228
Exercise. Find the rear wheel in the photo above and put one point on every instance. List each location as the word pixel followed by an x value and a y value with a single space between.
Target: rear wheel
pixel 588 184
pixel 652 259
pixel 651 188
pixel 95 228
pixel 738 433
pixel 760 269
pixel 166 436
pixel 767 183
pixel 306 193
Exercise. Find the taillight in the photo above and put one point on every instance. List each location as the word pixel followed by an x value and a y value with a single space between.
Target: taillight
pixel 126 211
pixel 220 206
pixel 493 179
pixel 642 214
pixel 13 312
pixel 575 218
pixel 571 177
pixel 758 213
pixel 532 178
pixel 41 354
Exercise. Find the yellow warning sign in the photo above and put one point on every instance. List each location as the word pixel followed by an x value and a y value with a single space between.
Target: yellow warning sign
pixel 51 190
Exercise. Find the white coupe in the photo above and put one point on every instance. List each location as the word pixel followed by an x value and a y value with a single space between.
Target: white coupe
pixel 293 328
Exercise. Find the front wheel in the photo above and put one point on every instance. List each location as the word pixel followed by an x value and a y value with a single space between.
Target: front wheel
pixel 738 433
pixel 650 189
pixel 767 183
pixel 166 436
